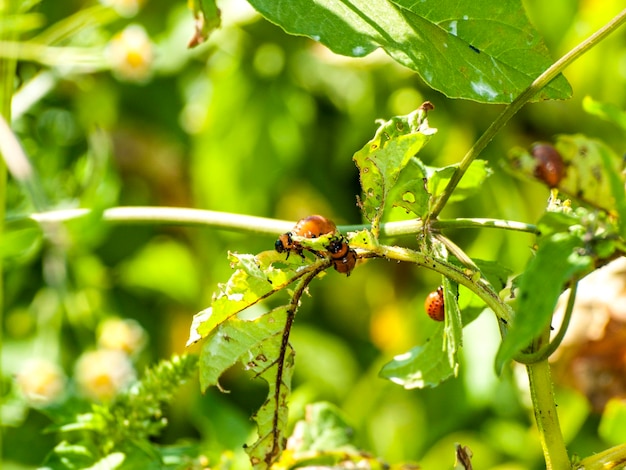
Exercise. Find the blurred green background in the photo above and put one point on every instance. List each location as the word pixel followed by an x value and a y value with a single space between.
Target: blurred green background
pixel 261 123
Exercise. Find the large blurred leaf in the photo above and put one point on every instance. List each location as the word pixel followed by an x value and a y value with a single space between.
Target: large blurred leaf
pixel 383 158
pixel 558 258
pixel 483 51
pixel 607 111
pixel 164 266
pixel 21 241
pixel 613 424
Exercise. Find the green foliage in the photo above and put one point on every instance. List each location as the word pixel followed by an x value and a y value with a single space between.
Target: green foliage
pixel 114 435
pixel 255 122
pixel 449 44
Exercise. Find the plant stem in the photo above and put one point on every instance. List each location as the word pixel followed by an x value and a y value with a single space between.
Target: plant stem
pixel 524 97
pixel 544 407
pixel 610 459
pixel 545 352
pixel 465 277
pixel 260 225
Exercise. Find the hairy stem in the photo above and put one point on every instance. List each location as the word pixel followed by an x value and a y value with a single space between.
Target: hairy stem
pixel 540 82
pixel 544 407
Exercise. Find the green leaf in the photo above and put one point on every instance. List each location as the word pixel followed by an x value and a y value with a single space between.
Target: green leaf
pixel 410 191
pixel 207 19
pixel 324 428
pixel 164 266
pixel 607 111
pixel 453 330
pixel 383 158
pixel 471 182
pixel 558 258
pixel 437 360
pixel 423 366
pixel 256 278
pixel 449 44
pixel 272 417
pixel 232 340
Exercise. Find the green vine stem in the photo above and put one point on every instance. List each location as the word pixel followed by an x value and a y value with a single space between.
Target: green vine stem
pixel 544 407
pixel 259 225
pixel 610 459
pixel 540 82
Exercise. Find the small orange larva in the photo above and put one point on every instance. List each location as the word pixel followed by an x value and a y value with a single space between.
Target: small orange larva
pixel 434 305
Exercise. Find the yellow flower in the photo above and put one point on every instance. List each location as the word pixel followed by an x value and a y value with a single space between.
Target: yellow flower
pixel 131 54
pixel 42 382
pixel 125 8
pixel 102 374
pixel 122 335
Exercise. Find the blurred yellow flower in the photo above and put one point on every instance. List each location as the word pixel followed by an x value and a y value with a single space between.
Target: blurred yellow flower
pixel 42 382
pixel 131 54
pixel 122 334
pixel 125 8
pixel 102 374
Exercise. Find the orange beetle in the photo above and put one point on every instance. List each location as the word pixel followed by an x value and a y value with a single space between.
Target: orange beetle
pixel 434 305
pixel 344 257
pixel 312 226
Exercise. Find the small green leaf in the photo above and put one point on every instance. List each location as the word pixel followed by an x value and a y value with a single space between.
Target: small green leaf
pixel 362 239
pixel 607 111
pixel 384 157
pixel 207 19
pixel 324 429
pixel 450 43
pixel 471 182
pixel 453 331
pixel 233 339
pixel 558 258
pixel 423 366
pixel 437 360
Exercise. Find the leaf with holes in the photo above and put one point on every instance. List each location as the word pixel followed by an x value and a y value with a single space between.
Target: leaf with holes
pixel 384 157
pixel 256 278
pixel 483 51
pixel 409 191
